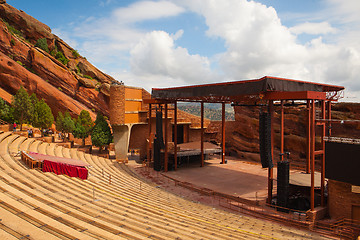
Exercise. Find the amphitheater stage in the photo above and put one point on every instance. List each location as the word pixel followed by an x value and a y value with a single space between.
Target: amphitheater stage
pixel 246 180
pixel 236 178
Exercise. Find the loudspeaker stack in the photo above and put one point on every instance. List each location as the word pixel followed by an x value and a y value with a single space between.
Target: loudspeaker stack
pixel 158 142
pixel 282 183
pixel 265 139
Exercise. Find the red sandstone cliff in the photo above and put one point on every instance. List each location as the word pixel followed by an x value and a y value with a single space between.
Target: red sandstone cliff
pixel 63 87
pixel 242 135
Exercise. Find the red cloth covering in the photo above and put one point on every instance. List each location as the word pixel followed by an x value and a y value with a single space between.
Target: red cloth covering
pixel 69 170
pixel 41 157
pixel 82 172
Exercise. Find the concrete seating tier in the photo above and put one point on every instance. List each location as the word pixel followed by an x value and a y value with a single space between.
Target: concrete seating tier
pixel 37 205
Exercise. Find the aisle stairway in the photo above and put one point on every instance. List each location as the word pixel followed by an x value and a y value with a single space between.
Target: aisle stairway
pixel 111 204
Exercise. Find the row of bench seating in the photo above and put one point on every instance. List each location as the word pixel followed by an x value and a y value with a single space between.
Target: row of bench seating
pixel 37 205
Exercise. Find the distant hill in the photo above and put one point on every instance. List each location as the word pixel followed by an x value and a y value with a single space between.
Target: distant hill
pixel 211 111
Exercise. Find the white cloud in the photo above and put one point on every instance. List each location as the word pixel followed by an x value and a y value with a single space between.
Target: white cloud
pixel 258 44
pixel 313 28
pixel 157 55
pixel 177 35
pixel 344 11
pixel 147 10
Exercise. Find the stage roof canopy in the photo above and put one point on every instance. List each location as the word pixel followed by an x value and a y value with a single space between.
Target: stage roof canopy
pixel 269 88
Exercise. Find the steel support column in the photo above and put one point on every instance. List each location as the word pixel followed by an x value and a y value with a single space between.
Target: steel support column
pixel 166 155
pixel 223 134
pixel 308 136
pixel 282 131
pixel 175 135
pixel 312 155
pixel 329 117
pixel 149 144
pixel 270 170
pixel 202 134
pixel 323 133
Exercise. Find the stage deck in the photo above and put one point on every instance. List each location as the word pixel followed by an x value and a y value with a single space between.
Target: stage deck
pixel 237 178
pixel 194 149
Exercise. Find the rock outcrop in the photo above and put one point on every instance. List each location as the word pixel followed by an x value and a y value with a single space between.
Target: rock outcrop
pixel 242 135
pixel 23 64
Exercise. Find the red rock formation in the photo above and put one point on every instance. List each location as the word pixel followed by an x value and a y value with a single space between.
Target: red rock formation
pixel 13 76
pixel 242 135
pixel 24 65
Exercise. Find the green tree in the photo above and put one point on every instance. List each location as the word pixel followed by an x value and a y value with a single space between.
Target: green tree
pixel 80 132
pixel 42 43
pixel 22 107
pixel 64 123
pixel 101 133
pixel 68 124
pixel 43 117
pixel 5 111
pixel 59 122
pixel 34 100
pixel 83 126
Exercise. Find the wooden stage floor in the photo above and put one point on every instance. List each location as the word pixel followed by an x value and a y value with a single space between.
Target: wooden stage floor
pixel 247 180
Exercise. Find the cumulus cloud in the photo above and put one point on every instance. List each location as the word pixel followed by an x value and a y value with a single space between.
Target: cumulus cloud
pixel 147 10
pixel 157 55
pixel 313 28
pixel 257 43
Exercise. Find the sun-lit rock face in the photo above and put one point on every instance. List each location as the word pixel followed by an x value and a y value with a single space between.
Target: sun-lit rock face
pixel 75 85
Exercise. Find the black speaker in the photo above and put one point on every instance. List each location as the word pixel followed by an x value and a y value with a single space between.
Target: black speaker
pixel 265 139
pixel 283 184
pixel 159 129
pixel 157 155
pixel 158 142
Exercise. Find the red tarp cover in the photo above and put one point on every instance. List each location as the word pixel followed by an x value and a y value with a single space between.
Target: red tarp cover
pixel 60 168
pixel 41 157
pixel 59 165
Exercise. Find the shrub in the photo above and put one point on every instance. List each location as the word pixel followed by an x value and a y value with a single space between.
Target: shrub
pixel 53 53
pixel 87 76
pixel 75 53
pixel 60 56
pixel 42 43
pixel 12 42
pixel 13 30
pixel 19 63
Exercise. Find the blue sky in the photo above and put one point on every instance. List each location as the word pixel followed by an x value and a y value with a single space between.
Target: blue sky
pixel 182 42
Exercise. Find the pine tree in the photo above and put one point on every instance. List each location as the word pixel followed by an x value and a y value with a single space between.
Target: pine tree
pixel 59 122
pixel 5 111
pixel 34 100
pixel 83 126
pixel 22 107
pixel 42 115
pixel 64 123
pixel 101 133
pixel 68 124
